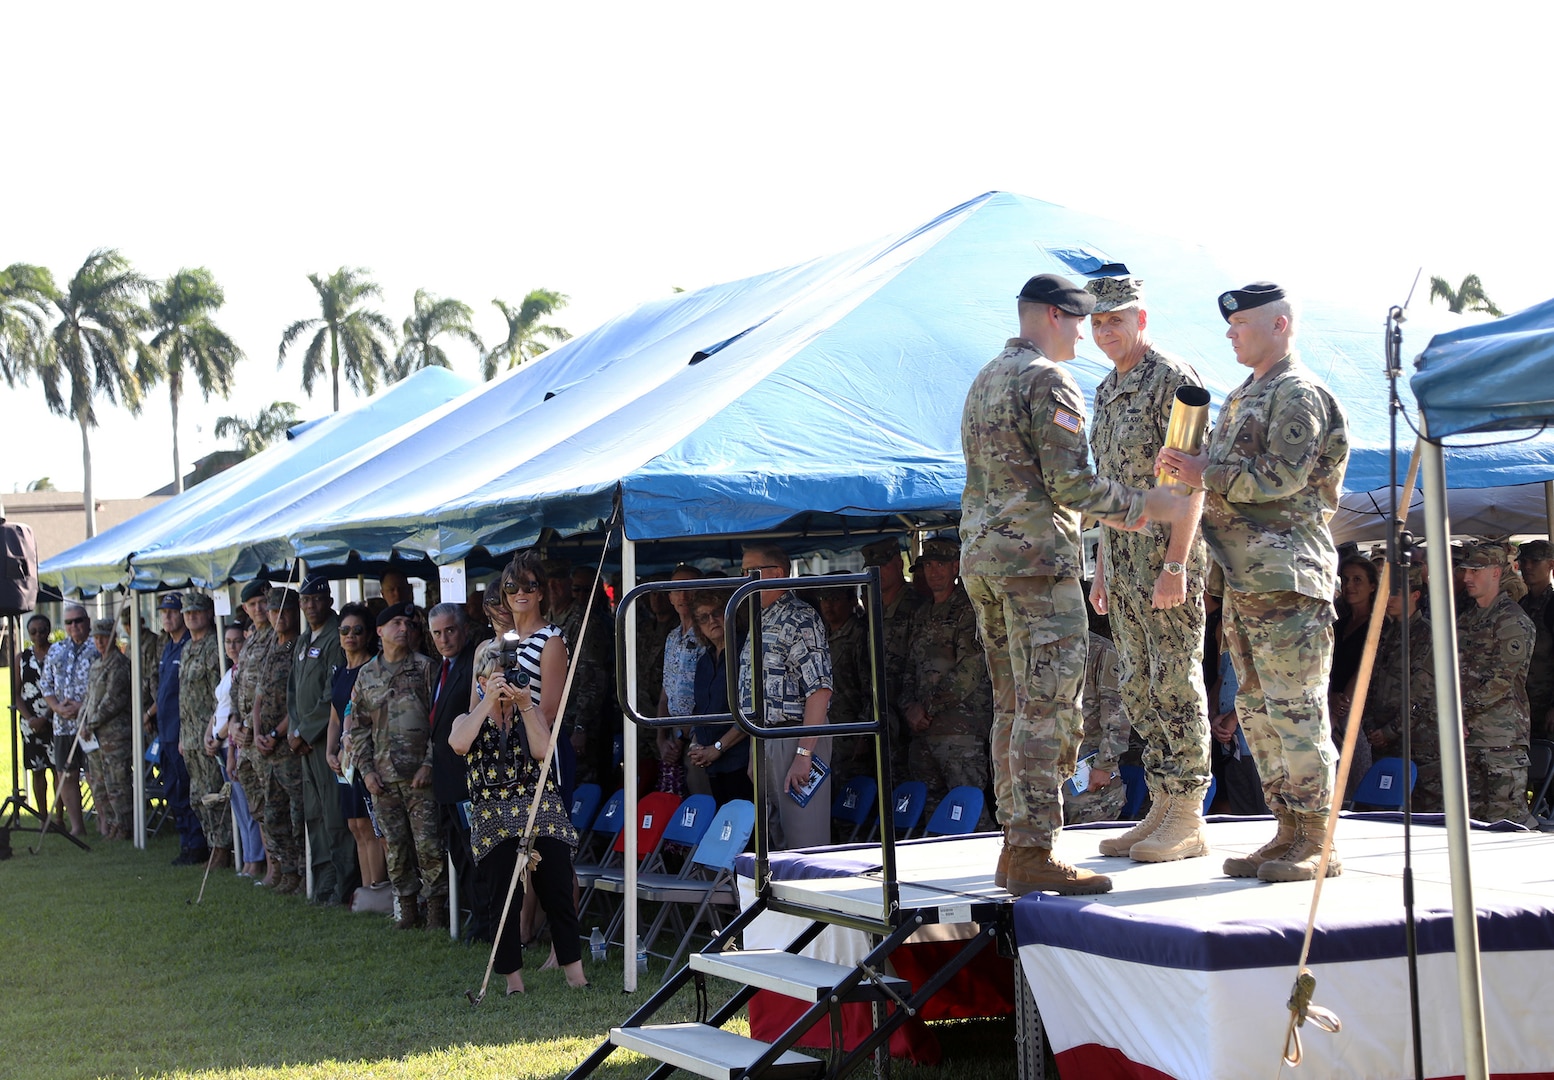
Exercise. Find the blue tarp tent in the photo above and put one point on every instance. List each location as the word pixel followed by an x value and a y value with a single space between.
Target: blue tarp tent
pixel 829 392
pixel 101 561
pixel 1496 376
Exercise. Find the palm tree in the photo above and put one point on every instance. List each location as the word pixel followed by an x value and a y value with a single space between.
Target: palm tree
pixel 100 317
pixel 1469 296
pixel 187 339
pixel 432 317
pixel 25 294
pixel 364 336
pixel 255 435
pixel 524 330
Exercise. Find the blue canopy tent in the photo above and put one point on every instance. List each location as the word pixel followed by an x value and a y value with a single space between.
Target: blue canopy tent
pixel 112 559
pixel 823 396
pixel 1496 377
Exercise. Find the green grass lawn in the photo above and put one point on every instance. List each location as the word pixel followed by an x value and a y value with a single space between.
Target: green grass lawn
pixel 109 971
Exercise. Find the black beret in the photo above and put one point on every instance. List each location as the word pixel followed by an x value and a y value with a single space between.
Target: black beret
pixel 1251 296
pixel 256 588
pixel 394 611
pixel 315 585
pixel 1059 292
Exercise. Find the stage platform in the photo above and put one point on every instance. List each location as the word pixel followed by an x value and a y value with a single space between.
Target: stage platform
pixel 1183 972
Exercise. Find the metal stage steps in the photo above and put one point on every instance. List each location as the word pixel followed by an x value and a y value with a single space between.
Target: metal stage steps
pixel 712 1052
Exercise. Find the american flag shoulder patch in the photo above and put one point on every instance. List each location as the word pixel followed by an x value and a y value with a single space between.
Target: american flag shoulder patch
pixel 1067 421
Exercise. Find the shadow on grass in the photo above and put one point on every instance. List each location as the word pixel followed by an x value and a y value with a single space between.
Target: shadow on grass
pixel 111 972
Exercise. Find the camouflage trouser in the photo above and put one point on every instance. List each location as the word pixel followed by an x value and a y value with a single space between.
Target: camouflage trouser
pixel 283 810
pixel 1033 630
pixel 1160 676
pixel 117 801
pixel 1104 804
pixel 1497 783
pixel 204 779
pixel 408 817
pixel 948 761
pixel 253 772
pixel 1282 647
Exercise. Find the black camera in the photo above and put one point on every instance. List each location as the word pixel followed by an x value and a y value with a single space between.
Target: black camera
pixel 516 677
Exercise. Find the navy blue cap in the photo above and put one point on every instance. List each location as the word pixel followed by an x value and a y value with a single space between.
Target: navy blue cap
pixel 170 602
pixel 1248 297
pixel 314 585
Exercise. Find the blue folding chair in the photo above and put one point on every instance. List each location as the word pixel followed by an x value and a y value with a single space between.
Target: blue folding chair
pixel 907 803
pixel 585 807
pixel 690 823
pixel 607 826
pixel 1382 786
pixel 957 813
pixel 854 804
pixel 707 881
pixel 157 805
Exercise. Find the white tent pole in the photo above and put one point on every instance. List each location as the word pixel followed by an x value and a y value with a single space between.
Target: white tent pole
pixel 629 746
pixel 1548 507
pixel 1454 784
pixel 137 711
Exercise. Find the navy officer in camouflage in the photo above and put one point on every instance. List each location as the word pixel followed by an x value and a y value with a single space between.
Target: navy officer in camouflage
pixel 1495 640
pixel 1028 479
pixel 1102 794
pixel 1150 583
pixel 1271 474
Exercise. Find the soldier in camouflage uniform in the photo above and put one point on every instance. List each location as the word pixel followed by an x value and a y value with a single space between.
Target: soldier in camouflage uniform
pixel 1494 645
pixel 198 677
pixel 1383 720
pixel 252 770
pixel 591 707
pixel 277 765
pixel 945 693
pixel 1150 583
pixel 1272 472
pixel 1028 478
pixel 105 716
pixel 1536 559
pixel 848 642
pixel 1106 735
pixel 151 644
pixel 899 599
pixel 392 707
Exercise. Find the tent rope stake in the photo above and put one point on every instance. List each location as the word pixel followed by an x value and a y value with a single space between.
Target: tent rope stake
pixel 1299 1004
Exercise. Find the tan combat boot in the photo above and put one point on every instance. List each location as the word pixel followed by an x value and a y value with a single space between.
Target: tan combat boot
pixel 288 883
pixel 1180 835
pixel 437 913
pixel 1033 869
pixel 408 912
pixel 1299 863
pixel 1248 865
pixel 1117 846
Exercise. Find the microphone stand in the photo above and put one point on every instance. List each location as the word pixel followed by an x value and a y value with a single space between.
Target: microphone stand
pixel 1400 544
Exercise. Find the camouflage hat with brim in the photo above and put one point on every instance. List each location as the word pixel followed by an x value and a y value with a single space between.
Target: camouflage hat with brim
pixel 194 601
pixel 279 598
pixel 1535 551
pixel 1113 293
pixel 1482 556
pixel 881 552
pixel 940 550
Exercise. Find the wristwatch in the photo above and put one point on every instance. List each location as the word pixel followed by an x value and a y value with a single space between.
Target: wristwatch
pixel 801 752
pixel 1174 568
pixel 718 746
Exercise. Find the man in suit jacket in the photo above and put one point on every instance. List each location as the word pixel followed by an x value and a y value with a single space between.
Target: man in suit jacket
pixel 451 688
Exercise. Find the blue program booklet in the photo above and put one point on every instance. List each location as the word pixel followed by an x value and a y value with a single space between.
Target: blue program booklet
pixel 818 771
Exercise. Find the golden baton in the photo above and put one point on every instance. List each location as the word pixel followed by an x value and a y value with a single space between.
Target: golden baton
pixel 1184 432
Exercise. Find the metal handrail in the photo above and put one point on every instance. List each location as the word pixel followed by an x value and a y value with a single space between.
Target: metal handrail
pixel 749 589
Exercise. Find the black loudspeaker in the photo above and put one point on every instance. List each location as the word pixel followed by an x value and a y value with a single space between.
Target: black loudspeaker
pixel 18 568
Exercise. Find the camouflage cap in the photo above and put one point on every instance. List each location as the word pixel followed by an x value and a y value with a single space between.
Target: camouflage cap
pixel 194 601
pixel 1482 556
pixel 1535 551
pixel 941 549
pixel 279 598
pixel 1112 293
pixel 104 627
pixel 881 552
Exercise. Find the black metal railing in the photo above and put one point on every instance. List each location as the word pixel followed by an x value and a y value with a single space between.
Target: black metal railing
pixel 752 720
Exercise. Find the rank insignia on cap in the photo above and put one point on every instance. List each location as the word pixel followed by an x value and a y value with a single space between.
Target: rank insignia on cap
pixel 1067 421
pixel 1228 302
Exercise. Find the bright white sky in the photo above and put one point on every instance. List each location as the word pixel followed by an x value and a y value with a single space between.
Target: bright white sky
pixel 613 151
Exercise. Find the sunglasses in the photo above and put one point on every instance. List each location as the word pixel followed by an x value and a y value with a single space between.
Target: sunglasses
pixel 352 631
pixel 529 586
pixel 709 616
pixel 77 621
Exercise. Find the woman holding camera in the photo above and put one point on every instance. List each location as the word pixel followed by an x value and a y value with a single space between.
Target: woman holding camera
pixel 505 737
